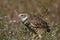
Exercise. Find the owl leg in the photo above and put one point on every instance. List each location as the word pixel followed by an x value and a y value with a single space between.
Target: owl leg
pixel 36 37
pixel 33 37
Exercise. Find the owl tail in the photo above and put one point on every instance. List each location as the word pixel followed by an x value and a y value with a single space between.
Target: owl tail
pixel 48 30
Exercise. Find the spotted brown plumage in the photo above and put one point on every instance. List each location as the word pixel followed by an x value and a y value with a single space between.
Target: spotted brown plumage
pixel 34 23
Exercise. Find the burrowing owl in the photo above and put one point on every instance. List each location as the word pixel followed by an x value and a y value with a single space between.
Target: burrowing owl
pixel 34 23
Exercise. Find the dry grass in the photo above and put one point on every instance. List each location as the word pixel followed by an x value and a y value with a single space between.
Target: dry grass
pixel 12 29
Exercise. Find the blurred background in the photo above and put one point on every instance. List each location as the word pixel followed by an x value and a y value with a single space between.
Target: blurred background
pixel 12 29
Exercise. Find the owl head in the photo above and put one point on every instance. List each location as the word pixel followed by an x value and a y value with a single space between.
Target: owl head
pixel 23 17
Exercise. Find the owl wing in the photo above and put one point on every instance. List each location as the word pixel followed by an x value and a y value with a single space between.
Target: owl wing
pixel 38 23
